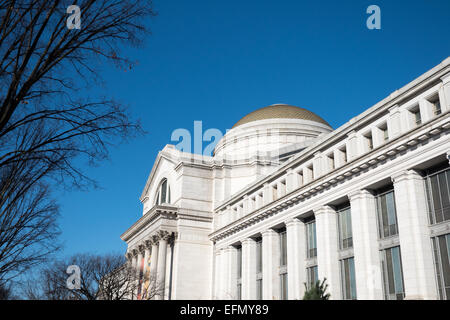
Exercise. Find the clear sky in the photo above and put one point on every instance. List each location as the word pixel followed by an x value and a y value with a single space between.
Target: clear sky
pixel 216 61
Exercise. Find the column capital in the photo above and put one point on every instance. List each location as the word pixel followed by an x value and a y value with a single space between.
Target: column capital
pixel 155 239
pixel 129 256
pixel 134 251
pixel 405 175
pixel 351 134
pixel 293 222
pixel 323 210
pixel 229 248
pixel 141 248
pixel 359 194
pixel 247 241
pixel 446 78
pixel 148 243
pixel 394 109
pixel 268 233
pixel 163 235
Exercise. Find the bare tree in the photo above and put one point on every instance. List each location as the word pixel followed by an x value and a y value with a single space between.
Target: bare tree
pixel 45 123
pixel 103 277
pixel 6 292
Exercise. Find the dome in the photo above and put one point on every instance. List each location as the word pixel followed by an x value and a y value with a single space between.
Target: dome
pixel 280 111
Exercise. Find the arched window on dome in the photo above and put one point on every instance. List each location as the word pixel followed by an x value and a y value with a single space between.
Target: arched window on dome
pixel 163 195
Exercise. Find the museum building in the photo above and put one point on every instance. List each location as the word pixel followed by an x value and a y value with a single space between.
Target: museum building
pixel 286 200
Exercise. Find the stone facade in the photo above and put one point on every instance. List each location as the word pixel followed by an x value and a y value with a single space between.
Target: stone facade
pixel 355 205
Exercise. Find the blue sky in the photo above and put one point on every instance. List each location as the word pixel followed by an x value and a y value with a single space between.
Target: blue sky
pixel 216 61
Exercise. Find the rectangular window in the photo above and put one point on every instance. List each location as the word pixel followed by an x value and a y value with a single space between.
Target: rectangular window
pixel 274 192
pixel 345 228
pixel 331 163
pixel 311 276
pixel 436 106
pixel 387 215
pixel 258 256
pixel 348 279
pixel 259 294
pixel 441 249
pixel 438 196
pixel 392 274
pixel 343 151
pixel 283 188
pixel 283 249
pixel 284 286
pixel 259 269
pixel 415 115
pixel 368 140
pixel 311 244
pixel 239 272
pixel 283 265
pixel 384 132
pixel 300 178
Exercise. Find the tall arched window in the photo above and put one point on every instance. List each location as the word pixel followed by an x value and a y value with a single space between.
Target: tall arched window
pixel 163 195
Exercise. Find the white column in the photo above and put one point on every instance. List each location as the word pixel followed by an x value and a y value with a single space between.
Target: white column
pixel 222 274
pixel 230 261
pixel 146 269
pixel 133 267
pixel 327 249
pixel 217 275
pixel 368 274
pixel 414 234
pixel 161 268
pixel 444 94
pixel 168 267
pixel 138 268
pixel 296 254
pixel 249 269
pixel 153 261
pixel 134 259
pixel 271 259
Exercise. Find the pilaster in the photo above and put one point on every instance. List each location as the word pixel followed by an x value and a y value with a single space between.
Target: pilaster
pixel 368 275
pixel 296 255
pixel 271 257
pixel 249 269
pixel 327 249
pixel 414 235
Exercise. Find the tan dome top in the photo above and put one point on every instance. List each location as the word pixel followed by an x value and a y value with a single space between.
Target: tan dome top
pixel 280 111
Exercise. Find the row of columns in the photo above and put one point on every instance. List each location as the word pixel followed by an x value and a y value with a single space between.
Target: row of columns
pixel 414 238
pixel 155 249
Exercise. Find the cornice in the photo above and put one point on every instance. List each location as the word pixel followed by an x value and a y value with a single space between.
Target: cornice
pixel 402 143
pixel 155 212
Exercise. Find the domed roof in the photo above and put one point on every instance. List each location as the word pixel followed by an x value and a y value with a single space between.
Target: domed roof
pixel 280 111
